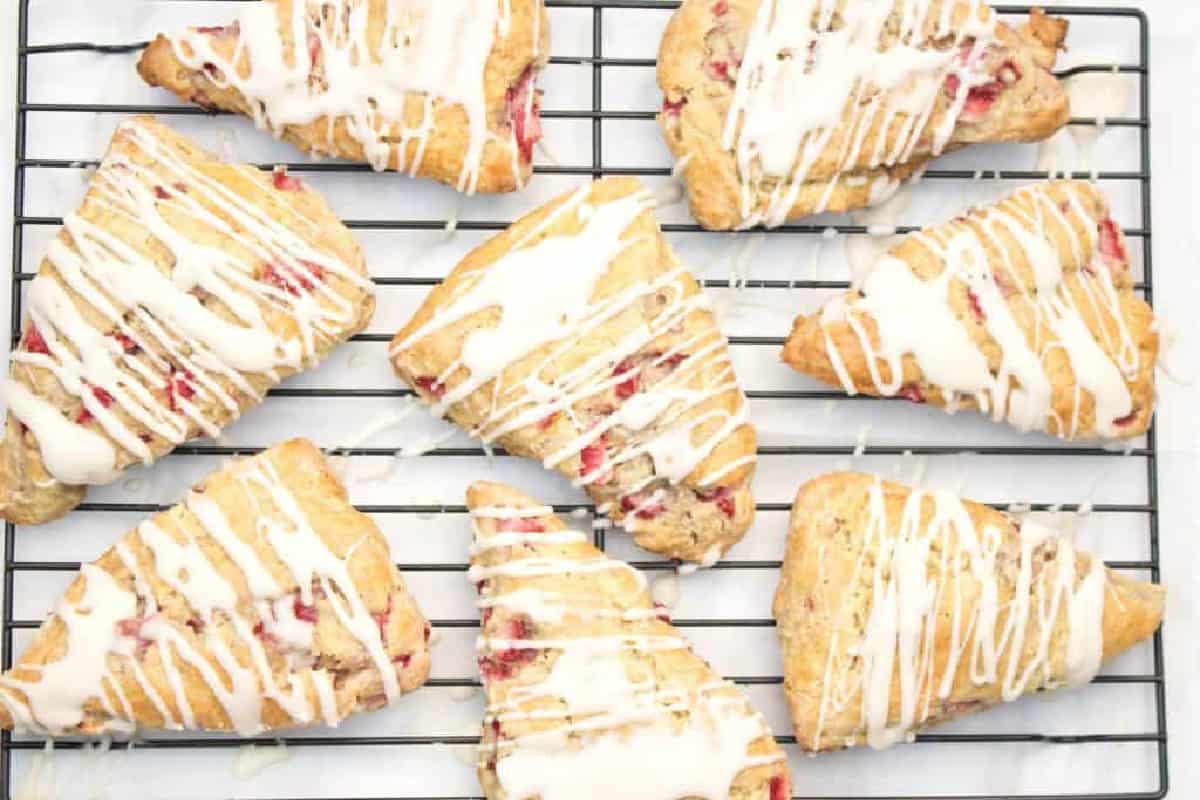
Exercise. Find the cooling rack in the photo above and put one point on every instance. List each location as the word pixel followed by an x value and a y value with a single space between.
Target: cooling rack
pixel 600 96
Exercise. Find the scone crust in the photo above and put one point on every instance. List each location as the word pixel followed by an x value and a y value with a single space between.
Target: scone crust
pixel 352 537
pixel 697 103
pixel 808 347
pixel 607 603
pixel 690 528
pixel 28 493
pixel 818 599
pixel 523 48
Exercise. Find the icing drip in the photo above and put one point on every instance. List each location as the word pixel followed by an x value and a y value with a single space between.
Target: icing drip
pixel 109 627
pixel 664 414
pixel 918 573
pixel 157 353
pixel 810 95
pixel 914 317
pixel 600 730
pixel 424 55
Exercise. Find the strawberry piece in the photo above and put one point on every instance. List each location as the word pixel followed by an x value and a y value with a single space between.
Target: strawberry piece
pixel 673 108
pixel 503 663
pixel 146 437
pixel 912 393
pixel 84 417
pixel 430 385
pixel 304 613
pixel 1126 420
pixel 403 659
pixel 104 397
pixel 127 343
pixel 521 525
pixel 637 505
pixel 627 388
pixel 217 30
pixel 723 497
pixel 674 360
pixel 522 106
pixel 314 48
pixel 780 790
pixel 545 422
pixel 662 613
pixel 717 70
pixel 178 386
pixel 497 731
pixel 1111 245
pixel 196 624
pixel 34 343
pixel 720 8
pixel 976 308
pixel 594 457
pixel 160 192
pixel 284 182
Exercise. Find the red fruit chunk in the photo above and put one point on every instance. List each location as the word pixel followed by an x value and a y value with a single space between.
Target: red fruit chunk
pixel 628 387
pixel 219 30
pixel 84 417
pixel 130 627
pixel 314 48
pixel 160 192
pixel 912 393
pixel 104 397
pixel 1126 420
pixel 430 385
pixel 661 612
pixel 780 790
pixel 305 613
pixel 723 497
pixel 521 525
pixel 284 182
pixel 496 729
pixel 403 659
pixel 291 280
pixel 637 505
pixel 720 7
pixel 127 343
pixel 976 308
pixel 34 343
pixel 594 457
pixel 1110 241
pixel 717 70
pixel 196 624
pixel 548 420
pixel 145 437
pixel 178 386
pixel 673 109
pixel 522 105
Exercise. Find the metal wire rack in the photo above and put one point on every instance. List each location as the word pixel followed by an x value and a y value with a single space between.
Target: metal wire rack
pixel 597 114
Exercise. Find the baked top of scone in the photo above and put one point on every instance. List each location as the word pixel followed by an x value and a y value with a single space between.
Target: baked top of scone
pixel 591 692
pixel 778 109
pixel 178 293
pixel 577 338
pixel 443 90
pixel 900 608
pixel 1025 310
pixel 262 601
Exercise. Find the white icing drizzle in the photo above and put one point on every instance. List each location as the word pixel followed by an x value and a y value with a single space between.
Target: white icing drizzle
pixel 109 624
pixel 663 416
pixel 429 53
pixel 808 92
pixel 915 573
pixel 914 317
pixel 610 735
pixel 187 354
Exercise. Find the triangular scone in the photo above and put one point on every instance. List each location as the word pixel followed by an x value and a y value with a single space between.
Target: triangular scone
pixel 179 293
pixel 1024 310
pixel 591 692
pixel 578 339
pixel 448 91
pixel 899 609
pixel 262 601
pixel 778 109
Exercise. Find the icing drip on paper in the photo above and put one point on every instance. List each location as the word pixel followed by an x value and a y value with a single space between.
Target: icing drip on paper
pixel 914 317
pixel 602 732
pixel 109 627
pixel 423 54
pixel 651 393
pixel 912 570
pixel 157 353
pixel 811 93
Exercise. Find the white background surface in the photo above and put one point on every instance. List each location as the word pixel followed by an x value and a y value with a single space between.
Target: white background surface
pixel 924 769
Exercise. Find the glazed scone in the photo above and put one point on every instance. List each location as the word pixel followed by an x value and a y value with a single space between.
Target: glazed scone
pixel 898 609
pixel 446 93
pixel 179 293
pixel 262 601
pixel 591 693
pixel 577 338
pixel 1024 310
pixel 777 109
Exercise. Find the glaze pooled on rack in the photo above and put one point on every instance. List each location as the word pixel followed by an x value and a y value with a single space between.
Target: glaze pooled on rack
pixel 173 299
pixel 1024 310
pixel 591 693
pixel 577 338
pixel 263 601
pixel 902 608
pixel 436 89
pixel 784 108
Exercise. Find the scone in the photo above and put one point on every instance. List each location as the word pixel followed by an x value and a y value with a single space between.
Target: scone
pixel 180 292
pixel 262 601
pixel 777 109
pixel 437 89
pixel 898 609
pixel 591 692
pixel 1024 310
pixel 577 338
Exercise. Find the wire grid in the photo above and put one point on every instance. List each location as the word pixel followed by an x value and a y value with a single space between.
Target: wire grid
pixel 597 114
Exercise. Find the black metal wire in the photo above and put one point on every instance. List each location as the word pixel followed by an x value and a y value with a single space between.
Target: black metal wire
pixel 597 168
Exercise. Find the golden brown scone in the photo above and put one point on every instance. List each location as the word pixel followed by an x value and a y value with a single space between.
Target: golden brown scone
pixel 901 608
pixel 449 93
pixel 763 136
pixel 577 338
pixel 1024 310
pixel 180 292
pixel 587 682
pixel 262 601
